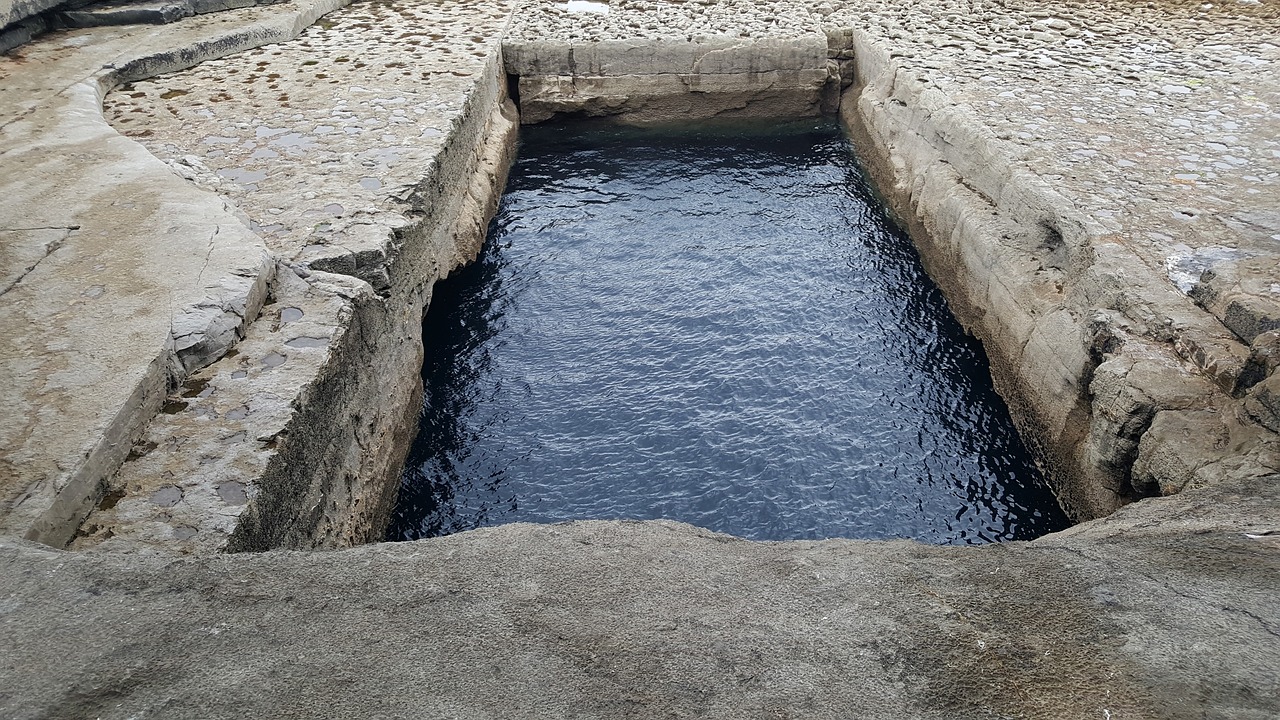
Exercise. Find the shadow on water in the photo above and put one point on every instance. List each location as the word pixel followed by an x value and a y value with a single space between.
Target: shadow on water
pixel 718 326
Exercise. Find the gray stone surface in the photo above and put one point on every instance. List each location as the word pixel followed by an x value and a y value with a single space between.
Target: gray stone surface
pixel 21 32
pixel 1128 311
pixel 130 12
pixel 15 11
pixel 118 278
pixel 657 63
pixel 1166 610
pixel 144 12
pixel 402 166
pixel 1089 191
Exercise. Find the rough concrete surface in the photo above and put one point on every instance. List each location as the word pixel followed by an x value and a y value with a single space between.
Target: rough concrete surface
pixel 117 279
pixel 1166 610
pixel 210 299
pixel 13 11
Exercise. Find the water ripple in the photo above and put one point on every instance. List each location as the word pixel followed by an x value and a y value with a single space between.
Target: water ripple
pixel 720 327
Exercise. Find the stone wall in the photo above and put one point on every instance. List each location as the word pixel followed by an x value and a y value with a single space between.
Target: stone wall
pixel 1118 409
pixel 647 80
pixel 337 472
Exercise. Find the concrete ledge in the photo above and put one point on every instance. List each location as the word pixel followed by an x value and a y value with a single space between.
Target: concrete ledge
pixel 672 76
pixel 643 99
pixel 1166 610
pixel 664 56
pixel 160 12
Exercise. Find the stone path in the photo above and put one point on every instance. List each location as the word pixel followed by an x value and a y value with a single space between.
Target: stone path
pixel 115 278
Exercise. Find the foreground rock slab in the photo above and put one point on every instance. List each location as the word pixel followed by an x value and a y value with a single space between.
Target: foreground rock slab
pixel 1166 610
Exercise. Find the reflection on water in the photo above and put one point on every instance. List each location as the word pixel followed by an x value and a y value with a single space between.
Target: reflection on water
pixel 717 326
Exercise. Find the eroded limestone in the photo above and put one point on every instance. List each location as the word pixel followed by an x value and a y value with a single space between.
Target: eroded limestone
pixel 647 62
pixel 1095 208
pixel 144 280
pixel 1122 283
pixel 344 151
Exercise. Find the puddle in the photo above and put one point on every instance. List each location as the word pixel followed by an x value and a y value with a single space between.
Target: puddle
pixel 167 496
pixel 721 328
pixel 242 176
pixel 173 407
pixel 308 342
pixel 293 141
pixel 233 493
pixel 196 387
pixel 111 499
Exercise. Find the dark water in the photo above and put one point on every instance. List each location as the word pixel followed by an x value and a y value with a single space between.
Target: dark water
pixel 717 326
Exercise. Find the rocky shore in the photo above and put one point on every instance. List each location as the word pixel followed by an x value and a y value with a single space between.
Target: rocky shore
pixel 220 234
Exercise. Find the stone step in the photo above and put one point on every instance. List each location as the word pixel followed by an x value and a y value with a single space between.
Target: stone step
pixel 130 12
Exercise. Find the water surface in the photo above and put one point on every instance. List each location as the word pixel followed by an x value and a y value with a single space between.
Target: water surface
pixel 718 326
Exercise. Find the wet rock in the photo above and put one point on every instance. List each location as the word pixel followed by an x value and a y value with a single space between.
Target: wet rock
pixel 1263 402
pixel 167 496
